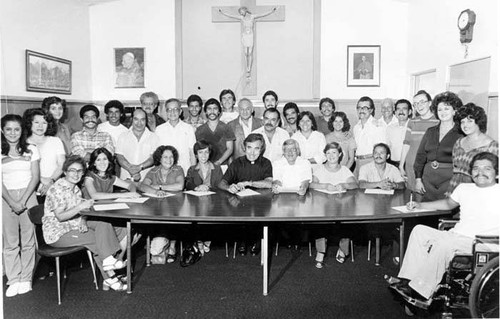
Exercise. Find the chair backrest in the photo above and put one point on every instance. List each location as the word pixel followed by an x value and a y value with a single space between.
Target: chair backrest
pixel 35 214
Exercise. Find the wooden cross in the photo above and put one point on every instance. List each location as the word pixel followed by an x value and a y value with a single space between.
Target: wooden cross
pixel 248 37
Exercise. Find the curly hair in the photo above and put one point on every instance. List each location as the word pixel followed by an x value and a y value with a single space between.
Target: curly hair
pixel 343 116
pixel 310 116
pixel 158 153
pixel 72 159
pixel 48 101
pixel 448 98
pixel 29 116
pixel 473 112
pixel 22 145
pixel 93 157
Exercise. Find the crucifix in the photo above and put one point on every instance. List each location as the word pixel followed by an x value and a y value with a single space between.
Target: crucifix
pixel 248 14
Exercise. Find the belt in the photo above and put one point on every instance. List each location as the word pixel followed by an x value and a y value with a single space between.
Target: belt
pixel 436 165
pixel 362 157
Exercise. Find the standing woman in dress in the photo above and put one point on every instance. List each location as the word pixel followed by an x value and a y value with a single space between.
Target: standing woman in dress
pixel 415 130
pixel 57 108
pixel 472 119
pixel 341 133
pixel 433 163
pixel 40 127
pixel 20 177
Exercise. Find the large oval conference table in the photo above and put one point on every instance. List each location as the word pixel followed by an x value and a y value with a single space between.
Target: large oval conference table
pixel 266 209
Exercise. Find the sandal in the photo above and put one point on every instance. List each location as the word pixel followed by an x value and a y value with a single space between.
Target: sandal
pixel 320 264
pixel 114 283
pixel 392 280
pixel 117 264
pixel 340 256
pixel 171 255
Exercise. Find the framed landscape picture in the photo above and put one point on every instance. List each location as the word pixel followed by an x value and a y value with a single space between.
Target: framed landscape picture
pixel 363 65
pixel 129 67
pixel 49 74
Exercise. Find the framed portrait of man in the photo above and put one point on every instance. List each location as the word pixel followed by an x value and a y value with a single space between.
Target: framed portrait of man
pixel 129 67
pixel 363 65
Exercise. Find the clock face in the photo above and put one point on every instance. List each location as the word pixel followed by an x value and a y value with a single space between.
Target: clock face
pixel 463 20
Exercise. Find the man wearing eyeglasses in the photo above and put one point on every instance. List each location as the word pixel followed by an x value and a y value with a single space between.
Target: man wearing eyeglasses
pixel 178 134
pixel 367 132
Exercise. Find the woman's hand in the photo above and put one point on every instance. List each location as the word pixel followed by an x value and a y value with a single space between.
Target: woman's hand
pixel 412 205
pixel 419 186
pixel 86 204
pixel 161 193
pixel 18 207
pixel 130 195
pixel 83 228
pixel 202 188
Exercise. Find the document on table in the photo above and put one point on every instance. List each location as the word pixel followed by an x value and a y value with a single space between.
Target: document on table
pixel 403 209
pixel 379 191
pixel 156 196
pixel 329 192
pixel 138 200
pixel 100 207
pixel 196 193
pixel 247 192
pixel 288 189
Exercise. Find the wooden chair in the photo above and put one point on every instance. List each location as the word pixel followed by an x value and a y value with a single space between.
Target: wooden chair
pixel 35 214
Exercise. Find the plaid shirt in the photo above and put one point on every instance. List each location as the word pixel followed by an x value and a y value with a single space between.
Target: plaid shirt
pixel 84 142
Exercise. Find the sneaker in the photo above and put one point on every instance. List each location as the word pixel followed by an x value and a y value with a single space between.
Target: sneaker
pixel 12 290
pixel 24 287
pixel 158 259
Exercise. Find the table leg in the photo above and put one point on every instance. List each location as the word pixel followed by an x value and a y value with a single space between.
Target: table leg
pixel 265 254
pixel 129 257
pixel 401 242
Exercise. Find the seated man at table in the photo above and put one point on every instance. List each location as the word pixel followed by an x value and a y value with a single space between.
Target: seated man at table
pixel 430 251
pixel 291 172
pixel 252 170
pixel 379 173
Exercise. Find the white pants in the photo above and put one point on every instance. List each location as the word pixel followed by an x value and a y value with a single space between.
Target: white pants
pixel 428 255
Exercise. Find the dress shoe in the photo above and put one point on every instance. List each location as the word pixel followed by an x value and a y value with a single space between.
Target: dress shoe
pixel 255 249
pixel 242 249
pixel 13 290
pixel 24 287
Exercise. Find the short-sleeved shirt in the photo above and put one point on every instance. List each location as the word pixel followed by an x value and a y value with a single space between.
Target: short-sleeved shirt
pixel 369 173
pixel 136 151
pixel 274 148
pixel 61 195
pixel 101 184
pixel 49 151
pixel 114 131
pixel 475 220
pixel 217 139
pixel 84 142
pixel 291 176
pixel 180 136
pixel 322 125
pixel 154 175
pixel 311 147
pixel 16 174
pixel 325 176
pixel 242 170
pixel 227 117
pixel 367 136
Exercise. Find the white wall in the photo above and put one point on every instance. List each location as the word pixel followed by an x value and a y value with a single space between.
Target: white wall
pixel 434 39
pixel 364 22
pixel 54 27
pixel 132 23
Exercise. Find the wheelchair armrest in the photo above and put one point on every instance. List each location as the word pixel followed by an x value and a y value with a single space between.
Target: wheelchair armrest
pixel 445 224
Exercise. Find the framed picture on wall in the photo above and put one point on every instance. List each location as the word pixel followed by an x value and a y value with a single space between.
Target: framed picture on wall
pixel 129 67
pixel 363 65
pixel 46 73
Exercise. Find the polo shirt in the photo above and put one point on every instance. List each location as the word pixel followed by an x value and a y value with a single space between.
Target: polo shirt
pixel 242 170
pixel 217 138
pixel 369 173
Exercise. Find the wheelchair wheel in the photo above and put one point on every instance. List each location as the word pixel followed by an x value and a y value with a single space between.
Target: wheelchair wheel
pixel 483 298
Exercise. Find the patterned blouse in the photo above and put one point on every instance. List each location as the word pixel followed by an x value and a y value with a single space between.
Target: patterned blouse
pixel 62 195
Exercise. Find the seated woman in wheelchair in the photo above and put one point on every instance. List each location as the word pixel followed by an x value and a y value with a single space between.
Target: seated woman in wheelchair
pixel 430 251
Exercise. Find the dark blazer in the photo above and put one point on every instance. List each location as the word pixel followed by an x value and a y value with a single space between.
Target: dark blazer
pixel 240 136
pixel 194 179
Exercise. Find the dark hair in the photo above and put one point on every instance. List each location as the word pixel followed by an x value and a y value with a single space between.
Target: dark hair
pixel 387 149
pixel 117 105
pixel 424 92
pixel 210 102
pixel 448 98
pixel 410 109
pixel 22 145
pixel 310 116
pixel 89 107
pixel 194 98
pixel 474 112
pixel 335 146
pixel 48 101
pixel 327 100
pixel 201 145
pixel 254 137
pixel 93 157
pixel 270 92
pixel 485 156
pixel 367 99
pixel 30 114
pixel 343 116
pixel 272 110
pixel 152 95
pixel 158 153
pixel 290 105
pixel 72 159
pixel 227 91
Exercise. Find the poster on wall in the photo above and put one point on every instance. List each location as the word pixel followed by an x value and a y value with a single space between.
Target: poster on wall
pixel 363 65
pixel 46 73
pixel 129 67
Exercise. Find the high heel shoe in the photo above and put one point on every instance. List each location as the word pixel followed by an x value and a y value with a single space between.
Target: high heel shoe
pixel 320 264
pixel 340 256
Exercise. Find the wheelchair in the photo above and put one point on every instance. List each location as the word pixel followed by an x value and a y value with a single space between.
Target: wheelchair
pixel 471 281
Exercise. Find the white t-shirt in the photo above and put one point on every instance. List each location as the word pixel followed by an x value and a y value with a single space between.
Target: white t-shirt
pixel 17 174
pixel 114 131
pixel 291 176
pixel 479 213
pixel 227 117
pixel 367 136
pixel 395 135
pixel 181 137
pixel 49 151
pixel 325 176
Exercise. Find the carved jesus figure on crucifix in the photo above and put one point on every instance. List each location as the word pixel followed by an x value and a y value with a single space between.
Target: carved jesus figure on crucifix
pixel 248 22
